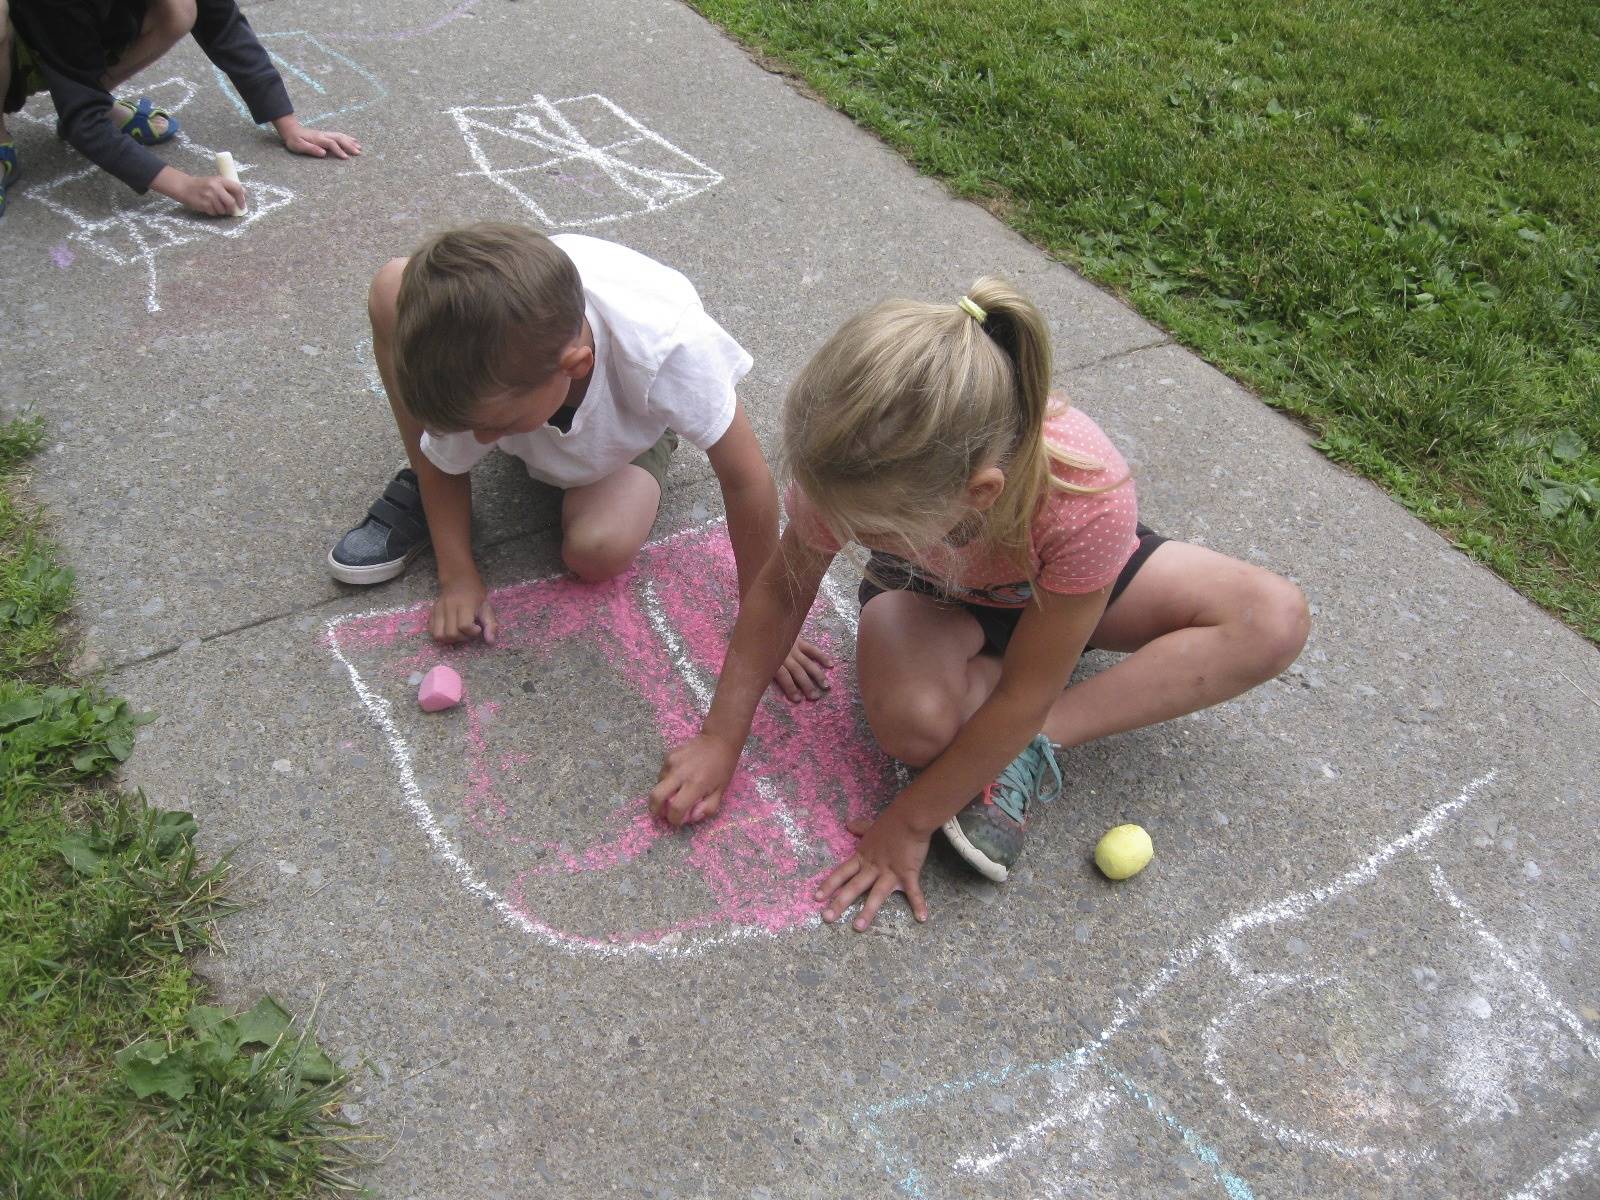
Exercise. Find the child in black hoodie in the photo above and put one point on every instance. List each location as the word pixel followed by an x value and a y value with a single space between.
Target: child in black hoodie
pixel 79 50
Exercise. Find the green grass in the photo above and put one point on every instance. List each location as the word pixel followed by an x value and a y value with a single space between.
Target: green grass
pixel 1381 214
pixel 116 1080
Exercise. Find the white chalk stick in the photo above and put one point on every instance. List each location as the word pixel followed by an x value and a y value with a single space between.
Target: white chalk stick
pixel 227 170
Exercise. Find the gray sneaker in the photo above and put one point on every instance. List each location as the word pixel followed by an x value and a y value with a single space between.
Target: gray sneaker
pixel 988 832
pixel 395 531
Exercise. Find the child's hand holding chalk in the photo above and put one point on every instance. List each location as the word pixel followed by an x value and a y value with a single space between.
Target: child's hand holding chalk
pixel 210 195
pixel 230 175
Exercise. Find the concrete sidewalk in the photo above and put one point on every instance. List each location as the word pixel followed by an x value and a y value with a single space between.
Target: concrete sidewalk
pixel 1361 965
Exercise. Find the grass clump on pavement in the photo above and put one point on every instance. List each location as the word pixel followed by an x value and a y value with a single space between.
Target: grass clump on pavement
pixel 115 1079
pixel 1381 215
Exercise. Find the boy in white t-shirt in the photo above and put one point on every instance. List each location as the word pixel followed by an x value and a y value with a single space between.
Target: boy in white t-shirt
pixel 587 361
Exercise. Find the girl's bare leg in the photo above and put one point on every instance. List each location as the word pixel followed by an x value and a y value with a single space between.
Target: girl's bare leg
pixel 921 671
pixel 6 35
pixel 1198 628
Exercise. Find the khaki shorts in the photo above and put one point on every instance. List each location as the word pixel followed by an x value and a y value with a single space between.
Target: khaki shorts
pixel 656 458
pixel 26 79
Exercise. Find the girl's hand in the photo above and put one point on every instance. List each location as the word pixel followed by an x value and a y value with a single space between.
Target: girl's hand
pixel 804 673
pixel 462 612
pixel 692 780
pixel 888 859
pixel 317 143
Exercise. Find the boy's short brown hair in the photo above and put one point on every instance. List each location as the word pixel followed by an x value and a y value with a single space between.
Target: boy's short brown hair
pixel 481 310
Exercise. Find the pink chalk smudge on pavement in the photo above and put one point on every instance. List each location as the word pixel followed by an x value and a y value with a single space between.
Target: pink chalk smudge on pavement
pixel 61 254
pixel 663 629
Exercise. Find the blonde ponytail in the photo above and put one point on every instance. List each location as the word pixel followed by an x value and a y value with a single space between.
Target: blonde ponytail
pixel 905 403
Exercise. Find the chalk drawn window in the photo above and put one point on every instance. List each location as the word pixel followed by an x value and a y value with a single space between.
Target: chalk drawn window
pixel 578 162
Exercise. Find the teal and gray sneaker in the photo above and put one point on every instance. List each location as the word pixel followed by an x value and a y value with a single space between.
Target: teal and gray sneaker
pixel 988 832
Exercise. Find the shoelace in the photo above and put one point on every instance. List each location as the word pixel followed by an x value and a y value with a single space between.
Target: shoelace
pixel 1013 790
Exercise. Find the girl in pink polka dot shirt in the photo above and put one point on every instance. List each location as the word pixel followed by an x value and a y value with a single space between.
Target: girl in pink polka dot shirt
pixel 1004 537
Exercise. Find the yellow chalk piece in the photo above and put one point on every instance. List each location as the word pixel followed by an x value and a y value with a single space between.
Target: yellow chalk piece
pixel 1123 852
pixel 227 170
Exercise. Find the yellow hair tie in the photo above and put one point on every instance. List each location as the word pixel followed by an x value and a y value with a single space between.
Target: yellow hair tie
pixel 972 310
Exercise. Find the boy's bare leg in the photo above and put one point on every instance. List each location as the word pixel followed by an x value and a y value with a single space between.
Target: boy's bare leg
pixel 604 524
pixel 166 23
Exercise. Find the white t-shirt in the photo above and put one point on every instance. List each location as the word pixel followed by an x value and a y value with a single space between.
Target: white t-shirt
pixel 659 362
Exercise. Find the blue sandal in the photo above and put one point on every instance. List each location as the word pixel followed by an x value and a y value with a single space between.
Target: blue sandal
pixel 137 126
pixel 8 171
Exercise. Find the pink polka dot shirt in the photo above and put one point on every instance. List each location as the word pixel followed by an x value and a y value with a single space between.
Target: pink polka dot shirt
pixel 1080 542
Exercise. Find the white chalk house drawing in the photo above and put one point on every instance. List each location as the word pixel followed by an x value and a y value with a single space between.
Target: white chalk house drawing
pixel 578 162
pixel 128 230
pixel 1418 1089
pixel 323 83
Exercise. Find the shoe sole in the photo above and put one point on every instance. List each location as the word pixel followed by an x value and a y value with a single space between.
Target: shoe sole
pixel 376 573
pixel 976 858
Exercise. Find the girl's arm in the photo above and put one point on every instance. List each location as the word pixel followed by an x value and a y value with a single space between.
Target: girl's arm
pixel 750 499
pixel 1048 642
pixel 771 613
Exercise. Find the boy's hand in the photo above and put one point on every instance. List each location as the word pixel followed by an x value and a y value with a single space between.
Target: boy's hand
pixel 888 859
pixel 693 777
pixel 211 195
pixel 314 142
pixel 804 673
pixel 462 612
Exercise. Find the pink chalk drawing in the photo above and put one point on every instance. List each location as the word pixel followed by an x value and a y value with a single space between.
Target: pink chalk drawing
pixel 516 810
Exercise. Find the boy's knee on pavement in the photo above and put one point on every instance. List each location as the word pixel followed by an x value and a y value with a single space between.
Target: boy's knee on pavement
pixel 174 17
pixel 595 554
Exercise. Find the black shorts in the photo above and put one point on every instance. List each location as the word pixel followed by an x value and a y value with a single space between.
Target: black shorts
pixel 998 624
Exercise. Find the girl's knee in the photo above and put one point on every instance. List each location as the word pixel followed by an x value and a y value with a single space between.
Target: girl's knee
pixel 1278 621
pixel 917 729
pixel 596 555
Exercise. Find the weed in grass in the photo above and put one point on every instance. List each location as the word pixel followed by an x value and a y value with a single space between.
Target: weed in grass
pixel 239 1113
pixel 61 733
pixel 19 441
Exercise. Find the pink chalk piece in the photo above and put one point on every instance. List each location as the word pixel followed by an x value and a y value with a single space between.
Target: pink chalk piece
pixel 441 689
